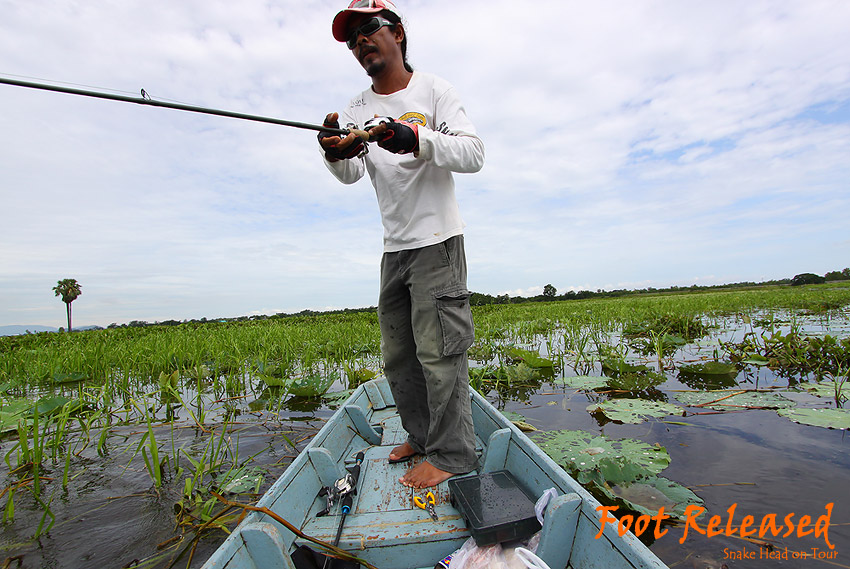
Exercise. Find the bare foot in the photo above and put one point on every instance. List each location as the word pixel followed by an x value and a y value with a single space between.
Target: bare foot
pixel 424 475
pixel 402 453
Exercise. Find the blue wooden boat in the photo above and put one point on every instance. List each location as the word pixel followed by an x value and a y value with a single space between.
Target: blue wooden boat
pixel 386 530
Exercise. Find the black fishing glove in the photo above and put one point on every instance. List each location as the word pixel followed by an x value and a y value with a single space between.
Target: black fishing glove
pixel 334 146
pixel 400 137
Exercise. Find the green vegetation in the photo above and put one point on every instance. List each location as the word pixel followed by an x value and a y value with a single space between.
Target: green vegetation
pixel 182 407
pixel 792 353
pixel 619 472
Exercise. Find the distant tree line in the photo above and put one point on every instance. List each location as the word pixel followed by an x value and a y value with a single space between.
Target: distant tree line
pixel 549 294
pixel 256 317
pixel 842 275
pixel 811 278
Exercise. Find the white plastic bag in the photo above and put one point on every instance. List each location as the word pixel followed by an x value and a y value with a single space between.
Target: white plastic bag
pixel 542 502
pixel 470 556
pixel 529 559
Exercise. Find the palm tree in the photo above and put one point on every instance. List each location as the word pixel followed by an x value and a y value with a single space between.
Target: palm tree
pixel 69 290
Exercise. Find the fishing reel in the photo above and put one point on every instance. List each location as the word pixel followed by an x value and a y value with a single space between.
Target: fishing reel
pixel 362 135
pixel 343 487
pixel 372 123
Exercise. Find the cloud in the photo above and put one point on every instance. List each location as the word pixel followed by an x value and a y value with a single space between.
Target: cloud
pixel 652 143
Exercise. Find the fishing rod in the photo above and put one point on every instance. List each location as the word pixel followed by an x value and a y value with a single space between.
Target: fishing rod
pixel 343 489
pixel 145 99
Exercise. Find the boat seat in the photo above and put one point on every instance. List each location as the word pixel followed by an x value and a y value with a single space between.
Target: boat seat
pixel 560 523
pixel 265 545
pixel 496 455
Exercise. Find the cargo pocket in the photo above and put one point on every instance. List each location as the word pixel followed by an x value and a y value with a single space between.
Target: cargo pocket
pixel 458 330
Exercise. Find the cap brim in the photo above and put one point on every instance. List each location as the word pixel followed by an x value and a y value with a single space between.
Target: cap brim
pixel 343 19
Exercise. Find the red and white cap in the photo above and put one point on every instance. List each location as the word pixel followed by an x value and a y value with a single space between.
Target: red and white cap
pixel 357 7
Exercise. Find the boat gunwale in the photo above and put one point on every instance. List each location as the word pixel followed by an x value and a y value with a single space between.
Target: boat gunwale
pixel 627 546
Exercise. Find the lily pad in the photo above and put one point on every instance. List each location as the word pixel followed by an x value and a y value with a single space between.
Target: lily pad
pixel 709 369
pixel 649 495
pixel 9 421
pixel 242 481
pixel 274 381
pixel 69 377
pixel 720 400
pixel 311 385
pixel 11 413
pixel 273 373
pixel 16 406
pixel 335 396
pixel 634 410
pixel 825 388
pixel 616 367
pixel 49 405
pixel 532 359
pixel 588 455
pixel 709 375
pixel 585 382
pixel 521 373
pixel 829 418
pixel 616 470
pixel 756 360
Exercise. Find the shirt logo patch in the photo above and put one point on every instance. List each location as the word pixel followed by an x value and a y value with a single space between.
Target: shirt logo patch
pixel 414 118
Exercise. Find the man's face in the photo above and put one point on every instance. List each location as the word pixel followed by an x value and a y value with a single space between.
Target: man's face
pixel 377 51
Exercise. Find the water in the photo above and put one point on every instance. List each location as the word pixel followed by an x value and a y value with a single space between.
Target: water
pixel 754 460
pixel 111 516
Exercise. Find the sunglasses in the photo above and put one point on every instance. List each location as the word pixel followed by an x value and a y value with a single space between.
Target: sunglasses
pixel 367 28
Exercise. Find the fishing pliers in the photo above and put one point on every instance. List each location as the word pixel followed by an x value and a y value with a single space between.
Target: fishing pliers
pixel 427 504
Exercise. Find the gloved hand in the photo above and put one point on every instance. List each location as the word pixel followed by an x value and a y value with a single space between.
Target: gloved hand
pixel 339 148
pixel 399 137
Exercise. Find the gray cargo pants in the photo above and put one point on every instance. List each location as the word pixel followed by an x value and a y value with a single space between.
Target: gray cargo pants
pixel 426 328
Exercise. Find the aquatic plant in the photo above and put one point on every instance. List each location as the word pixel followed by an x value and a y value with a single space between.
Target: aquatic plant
pixel 633 410
pixel 793 354
pixel 170 404
pixel 828 418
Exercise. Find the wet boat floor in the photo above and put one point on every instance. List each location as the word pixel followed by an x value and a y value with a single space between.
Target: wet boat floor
pixel 384 513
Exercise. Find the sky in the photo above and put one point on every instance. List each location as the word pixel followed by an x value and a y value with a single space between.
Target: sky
pixel 629 144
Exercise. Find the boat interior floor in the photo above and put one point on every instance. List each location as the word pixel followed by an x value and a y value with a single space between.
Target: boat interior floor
pixel 380 492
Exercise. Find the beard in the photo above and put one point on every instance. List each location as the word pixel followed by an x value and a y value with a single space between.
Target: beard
pixel 376 67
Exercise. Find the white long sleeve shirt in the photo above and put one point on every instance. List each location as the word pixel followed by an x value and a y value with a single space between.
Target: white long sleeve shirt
pixel 416 193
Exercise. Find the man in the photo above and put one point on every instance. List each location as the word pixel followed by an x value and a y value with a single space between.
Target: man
pixel 423 308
